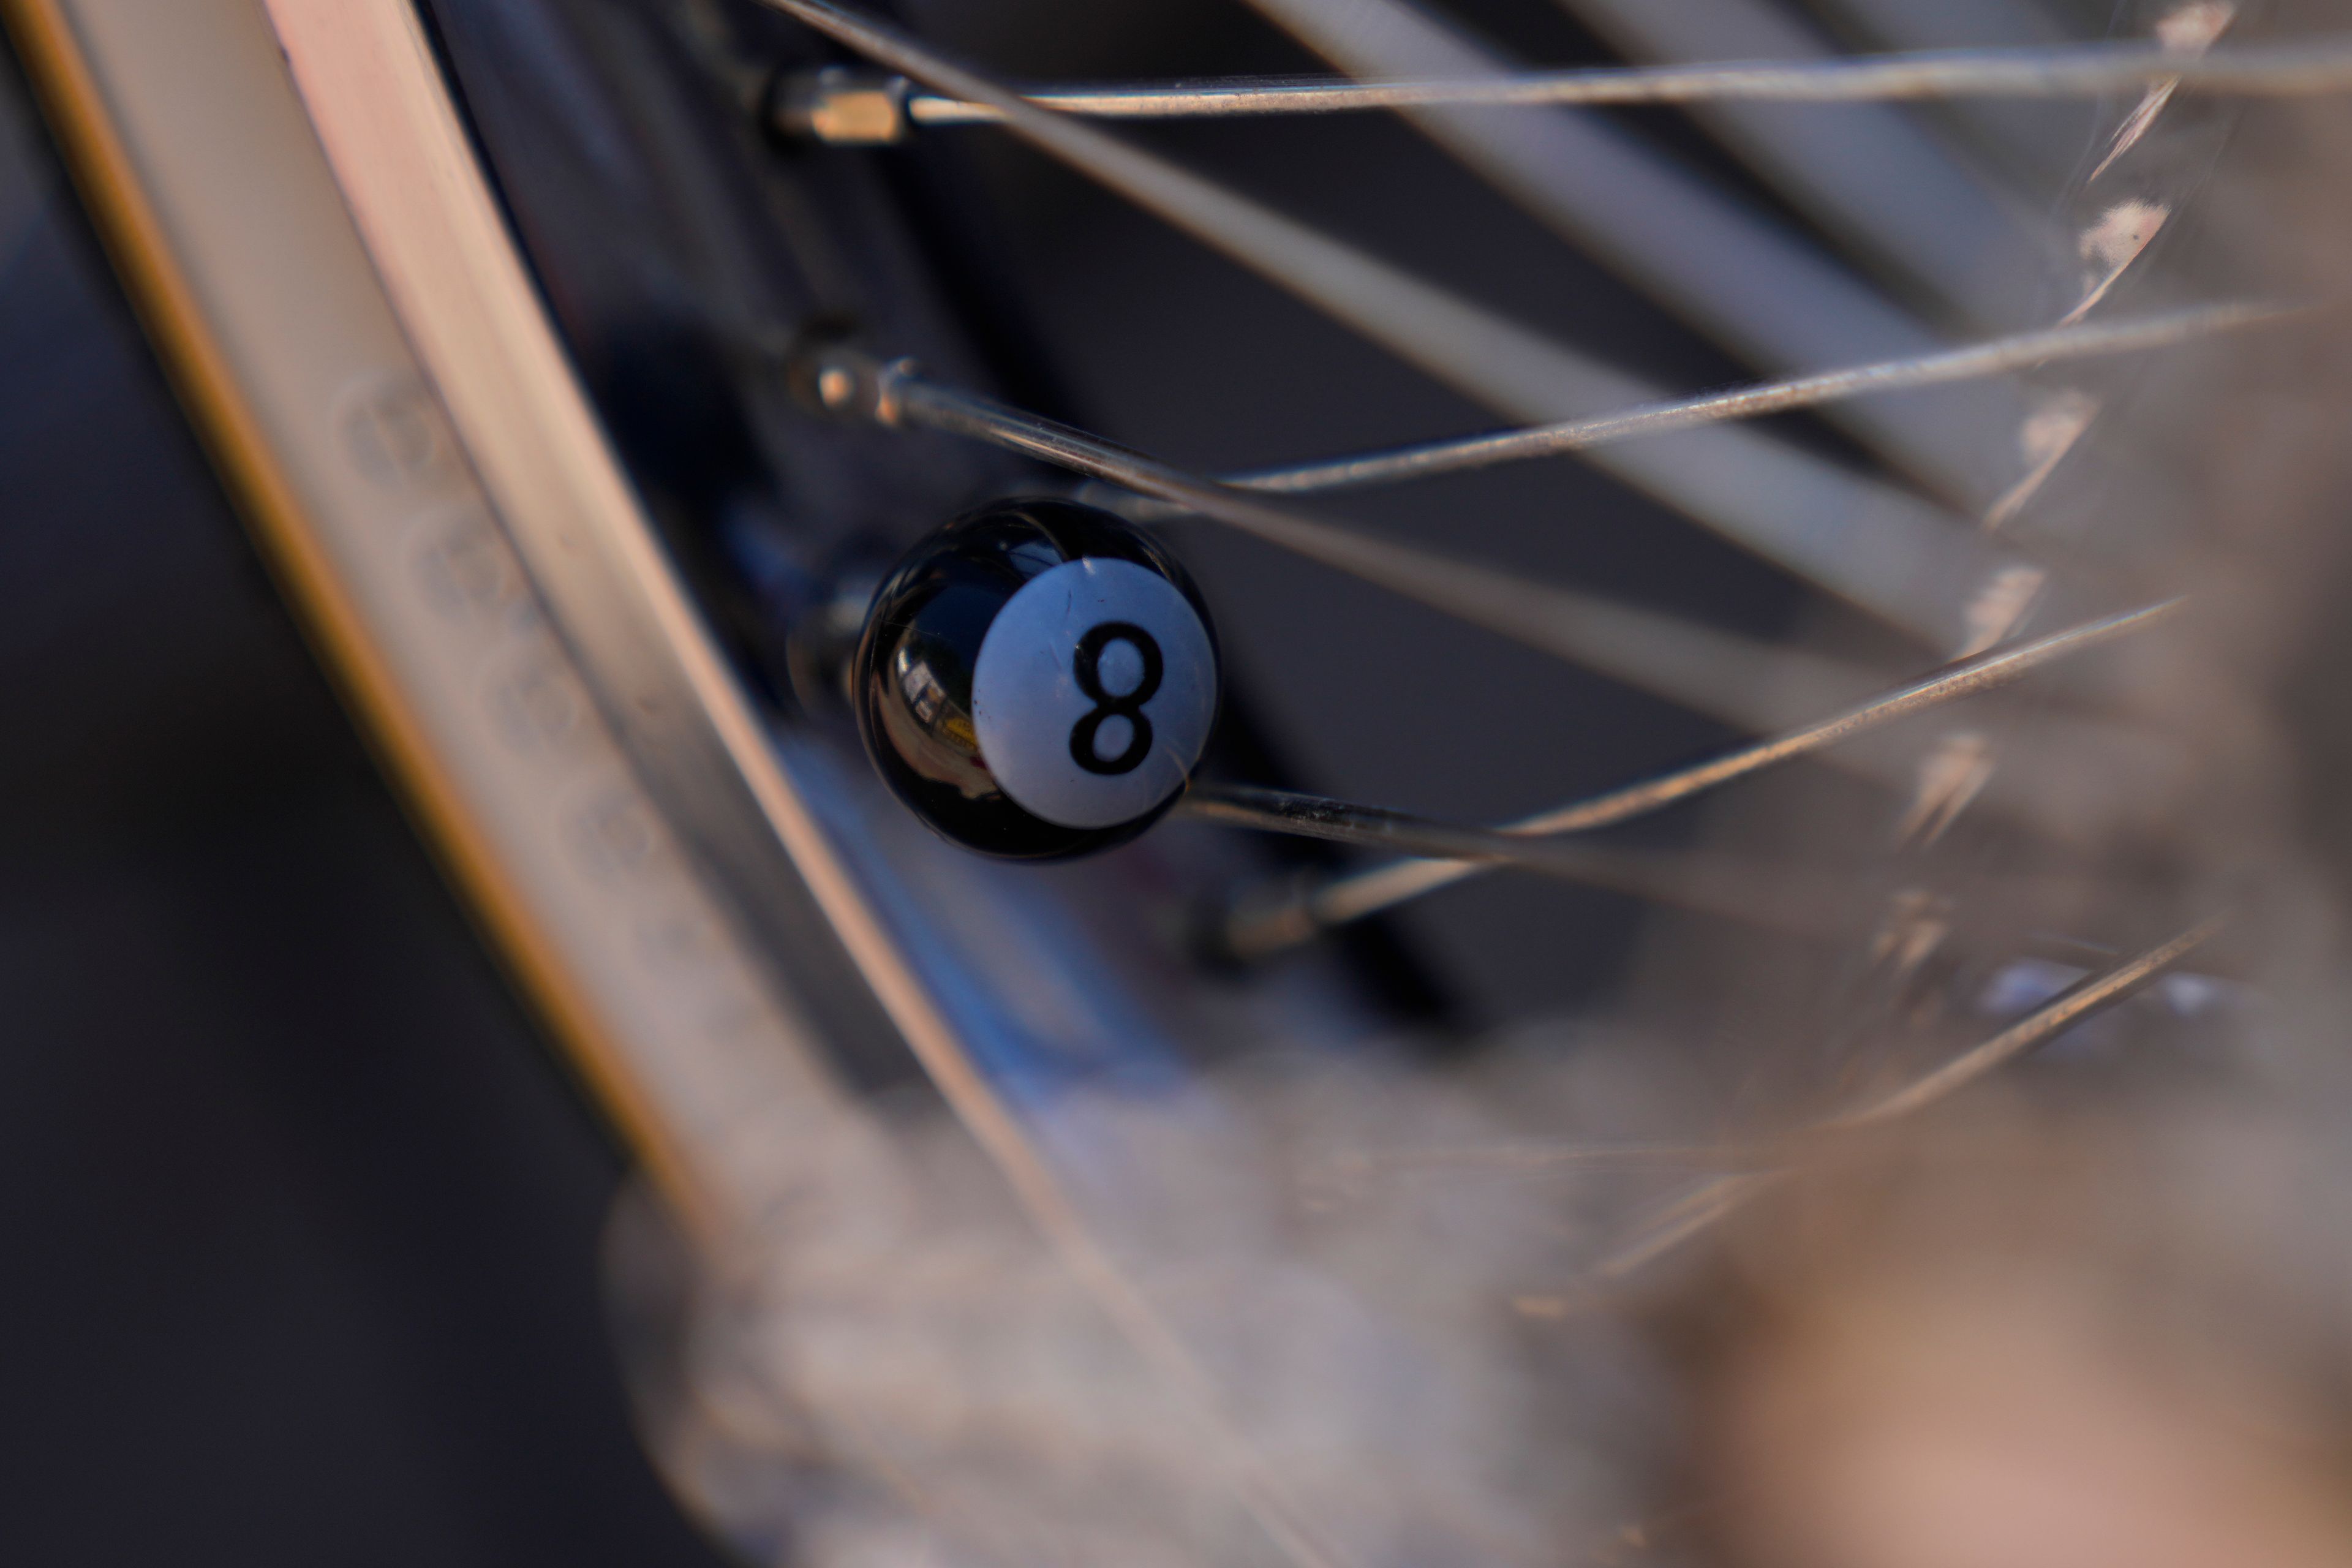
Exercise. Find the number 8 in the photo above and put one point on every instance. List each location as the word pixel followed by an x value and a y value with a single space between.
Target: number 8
pixel 1088 668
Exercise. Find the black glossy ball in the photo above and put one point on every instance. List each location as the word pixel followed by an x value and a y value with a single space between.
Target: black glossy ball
pixel 1036 680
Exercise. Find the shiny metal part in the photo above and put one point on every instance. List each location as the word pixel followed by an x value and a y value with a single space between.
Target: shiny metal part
pixel 2049 432
pixel 2022 352
pixel 2068 1008
pixel 2109 248
pixel 1718 1198
pixel 1778 896
pixel 1767 292
pixel 2040 140
pixel 239 220
pixel 1954 772
pixel 2191 30
pixel 843 108
pixel 2075 70
pixel 1260 928
pixel 1877 546
pixel 1878 175
pixel 1734 678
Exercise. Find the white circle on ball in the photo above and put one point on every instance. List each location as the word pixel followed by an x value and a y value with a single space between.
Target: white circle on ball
pixel 1032 713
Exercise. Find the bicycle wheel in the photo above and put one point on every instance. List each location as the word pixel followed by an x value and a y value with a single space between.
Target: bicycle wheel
pixel 1226 1195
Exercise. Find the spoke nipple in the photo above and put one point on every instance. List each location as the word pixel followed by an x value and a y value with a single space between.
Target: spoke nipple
pixel 842 107
pixel 850 384
pixel 836 386
pixel 889 383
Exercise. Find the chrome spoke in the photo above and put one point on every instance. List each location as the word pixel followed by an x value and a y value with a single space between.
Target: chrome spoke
pixel 2068 1007
pixel 2047 434
pixel 1741 682
pixel 2191 31
pixel 1865 542
pixel 1870 173
pixel 2039 140
pixel 1763 290
pixel 2111 246
pixel 2316 65
pixel 1782 897
pixel 1719 1198
pixel 1952 775
pixel 1685 1217
pixel 1999 356
pixel 1260 927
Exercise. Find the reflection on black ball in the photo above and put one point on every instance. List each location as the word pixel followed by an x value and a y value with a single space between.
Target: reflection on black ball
pixel 1036 680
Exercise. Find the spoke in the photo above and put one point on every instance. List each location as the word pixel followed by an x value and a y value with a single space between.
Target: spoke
pixel 1867 543
pixel 2112 244
pixel 1767 293
pixel 1946 25
pixel 1872 173
pixel 1957 769
pixel 1782 897
pixel 2090 995
pixel 1683 1219
pixel 2319 65
pixel 1260 927
pixel 2095 994
pixel 1800 899
pixel 2047 434
pixel 2042 140
pixel 1741 682
pixel 2191 31
pixel 2024 350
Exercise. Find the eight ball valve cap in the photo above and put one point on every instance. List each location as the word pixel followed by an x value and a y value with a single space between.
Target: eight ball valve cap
pixel 1036 680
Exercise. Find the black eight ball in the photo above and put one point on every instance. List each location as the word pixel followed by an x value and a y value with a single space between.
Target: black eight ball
pixel 1036 680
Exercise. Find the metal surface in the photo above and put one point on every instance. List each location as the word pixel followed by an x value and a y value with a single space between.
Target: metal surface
pixel 1752 686
pixel 2024 350
pixel 301 1200
pixel 199 158
pixel 1799 511
pixel 1729 266
pixel 1717 1199
pixel 849 109
pixel 1646 649
pixel 1258 929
